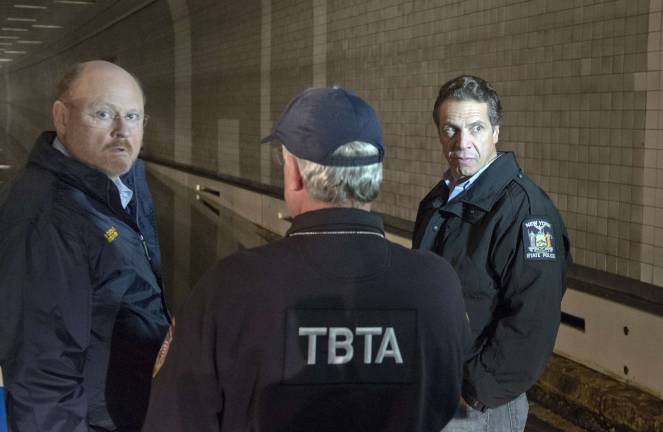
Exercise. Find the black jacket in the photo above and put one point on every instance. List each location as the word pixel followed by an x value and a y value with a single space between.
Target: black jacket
pixel 82 313
pixel 508 243
pixel 251 348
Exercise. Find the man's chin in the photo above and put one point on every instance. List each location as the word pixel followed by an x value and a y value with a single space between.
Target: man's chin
pixel 118 170
pixel 462 174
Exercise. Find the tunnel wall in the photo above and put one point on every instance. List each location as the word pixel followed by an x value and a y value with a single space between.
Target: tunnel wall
pixel 580 82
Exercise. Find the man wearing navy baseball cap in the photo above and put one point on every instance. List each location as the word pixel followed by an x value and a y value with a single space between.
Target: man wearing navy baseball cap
pixel 333 328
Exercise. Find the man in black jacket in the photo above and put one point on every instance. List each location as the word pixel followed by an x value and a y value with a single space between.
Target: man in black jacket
pixel 508 243
pixel 332 328
pixel 82 314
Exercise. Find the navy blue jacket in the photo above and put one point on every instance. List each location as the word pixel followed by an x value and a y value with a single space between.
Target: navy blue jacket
pixel 276 338
pixel 82 314
pixel 509 245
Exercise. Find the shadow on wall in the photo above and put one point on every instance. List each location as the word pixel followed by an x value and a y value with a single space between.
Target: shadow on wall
pixel 12 156
pixel 194 234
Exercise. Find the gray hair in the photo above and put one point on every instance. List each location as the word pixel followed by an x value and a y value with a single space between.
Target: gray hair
pixel 352 185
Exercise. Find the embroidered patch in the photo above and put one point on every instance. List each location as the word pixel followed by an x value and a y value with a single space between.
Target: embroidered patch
pixel 163 351
pixel 110 234
pixel 539 240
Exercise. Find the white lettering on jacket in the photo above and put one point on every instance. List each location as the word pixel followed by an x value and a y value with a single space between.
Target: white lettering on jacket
pixel 340 349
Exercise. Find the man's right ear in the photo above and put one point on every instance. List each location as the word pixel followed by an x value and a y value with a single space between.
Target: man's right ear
pixel 60 117
pixel 292 177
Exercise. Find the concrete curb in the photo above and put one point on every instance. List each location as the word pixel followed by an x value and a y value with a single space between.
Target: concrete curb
pixel 595 401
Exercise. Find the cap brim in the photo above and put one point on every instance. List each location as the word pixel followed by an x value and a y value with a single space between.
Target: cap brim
pixel 268 139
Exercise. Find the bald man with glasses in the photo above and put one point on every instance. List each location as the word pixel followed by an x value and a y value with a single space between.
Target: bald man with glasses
pixel 82 314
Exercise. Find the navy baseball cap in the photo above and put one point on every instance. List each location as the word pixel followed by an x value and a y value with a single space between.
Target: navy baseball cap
pixel 320 120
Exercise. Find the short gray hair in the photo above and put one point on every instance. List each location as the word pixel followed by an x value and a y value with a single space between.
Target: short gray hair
pixel 352 185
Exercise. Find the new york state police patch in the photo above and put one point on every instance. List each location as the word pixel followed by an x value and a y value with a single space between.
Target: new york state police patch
pixel 539 240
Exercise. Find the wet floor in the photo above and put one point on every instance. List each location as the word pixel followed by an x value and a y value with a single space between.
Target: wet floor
pixel 544 420
pixel 534 424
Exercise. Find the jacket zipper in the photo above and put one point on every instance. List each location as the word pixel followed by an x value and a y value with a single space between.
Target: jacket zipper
pixel 142 239
pixel 147 253
pixel 132 223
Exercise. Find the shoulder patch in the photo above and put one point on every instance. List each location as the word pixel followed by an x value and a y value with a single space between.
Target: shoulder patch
pixel 539 240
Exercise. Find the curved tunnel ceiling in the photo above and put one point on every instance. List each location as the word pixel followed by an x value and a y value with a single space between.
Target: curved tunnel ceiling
pixel 32 30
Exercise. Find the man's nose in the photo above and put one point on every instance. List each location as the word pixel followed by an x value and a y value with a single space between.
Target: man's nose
pixel 121 127
pixel 464 139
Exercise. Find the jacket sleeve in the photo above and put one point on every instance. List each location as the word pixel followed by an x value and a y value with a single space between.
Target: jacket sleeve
pixel 527 316
pixel 185 393
pixel 45 327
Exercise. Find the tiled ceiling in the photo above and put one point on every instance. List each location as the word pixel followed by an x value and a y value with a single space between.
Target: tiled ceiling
pixel 30 29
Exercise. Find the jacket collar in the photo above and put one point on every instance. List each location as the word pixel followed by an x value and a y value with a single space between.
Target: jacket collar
pixel 337 219
pixel 479 199
pixel 91 181
pixel 485 190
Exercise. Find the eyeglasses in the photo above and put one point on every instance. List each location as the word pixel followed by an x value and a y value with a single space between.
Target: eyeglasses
pixel 104 118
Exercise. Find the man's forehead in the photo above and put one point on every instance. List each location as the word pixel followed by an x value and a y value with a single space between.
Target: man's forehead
pixel 118 97
pixel 103 83
pixel 471 111
pixel 103 101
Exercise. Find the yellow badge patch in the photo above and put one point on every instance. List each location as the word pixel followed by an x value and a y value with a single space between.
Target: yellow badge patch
pixel 110 234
